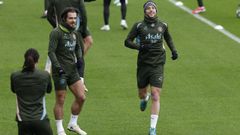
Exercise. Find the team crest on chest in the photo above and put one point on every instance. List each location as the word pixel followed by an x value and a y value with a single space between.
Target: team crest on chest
pixel 160 29
pixel 65 36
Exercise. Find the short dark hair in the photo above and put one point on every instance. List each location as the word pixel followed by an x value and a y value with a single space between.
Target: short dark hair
pixel 31 57
pixel 66 11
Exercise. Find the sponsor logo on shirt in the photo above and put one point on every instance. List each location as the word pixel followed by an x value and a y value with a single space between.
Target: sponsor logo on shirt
pixel 70 42
pixel 153 37
pixel 70 45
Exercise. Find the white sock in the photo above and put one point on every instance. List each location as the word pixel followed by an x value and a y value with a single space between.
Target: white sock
pixel 59 126
pixel 154 119
pixel 73 119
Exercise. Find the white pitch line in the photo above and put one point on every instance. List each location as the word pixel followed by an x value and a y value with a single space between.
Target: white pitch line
pixel 210 23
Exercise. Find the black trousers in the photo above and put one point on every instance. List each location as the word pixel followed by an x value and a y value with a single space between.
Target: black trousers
pixel 38 127
pixel 200 3
pixel 106 13
pixel 46 4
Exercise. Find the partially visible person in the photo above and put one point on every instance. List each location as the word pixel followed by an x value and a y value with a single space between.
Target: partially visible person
pixel 46 3
pixel 55 9
pixel 200 7
pixel 238 11
pixel 65 54
pixel 106 14
pixel 30 86
pixel 150 34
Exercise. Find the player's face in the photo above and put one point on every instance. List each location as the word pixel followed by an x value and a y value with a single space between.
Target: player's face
pixel 71 19
pixel 151 11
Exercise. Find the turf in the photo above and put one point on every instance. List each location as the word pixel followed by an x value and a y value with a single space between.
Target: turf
pixel 201 89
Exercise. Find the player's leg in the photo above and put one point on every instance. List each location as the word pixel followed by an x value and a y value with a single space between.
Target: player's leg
pixel 119 3
pixel 200 3
pixel 24 128
pixel 58 110
pixel 60 84
pixel 42 127
pixel 200 7
pixel 144 97
pixel 155 92
pixel 79 93
pixel 156 82
pixel 238 11
pixel 46 3
pixel 155 108
pixel 106 14
pixel 142 82
pixel 123 22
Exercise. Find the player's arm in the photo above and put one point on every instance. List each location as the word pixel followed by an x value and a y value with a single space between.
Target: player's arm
pixel 79 52
pixel 49 86
pixel 129 41
pixel 78 49
pixel 53 42
pixel 169 40
pixel 12 83
pixel 170 44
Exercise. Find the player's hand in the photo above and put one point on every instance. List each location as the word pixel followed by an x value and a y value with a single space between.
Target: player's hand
pixel 79 63
pixel 174 55
pixel 61 71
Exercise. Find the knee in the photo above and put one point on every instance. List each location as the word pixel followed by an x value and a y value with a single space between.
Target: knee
pixel 156 94
pixel 81 98
pixel 155 97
